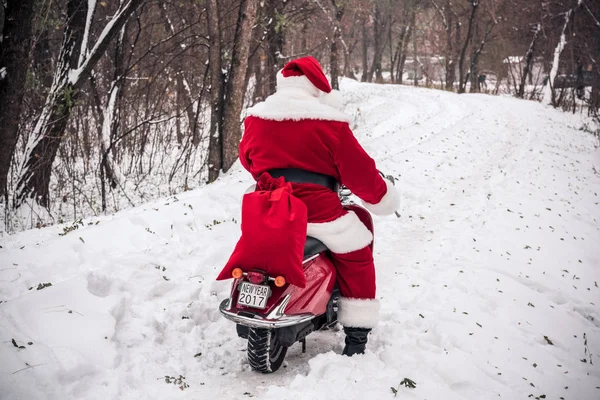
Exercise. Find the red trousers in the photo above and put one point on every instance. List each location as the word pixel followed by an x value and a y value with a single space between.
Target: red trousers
pixel 356 273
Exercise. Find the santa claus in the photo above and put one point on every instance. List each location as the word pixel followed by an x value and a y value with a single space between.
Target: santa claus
pixel 301 128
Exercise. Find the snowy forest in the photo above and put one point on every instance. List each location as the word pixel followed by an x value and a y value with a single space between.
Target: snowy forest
pixel 107 104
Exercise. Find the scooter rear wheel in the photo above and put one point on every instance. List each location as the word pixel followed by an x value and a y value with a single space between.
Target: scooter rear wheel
pixel 265 353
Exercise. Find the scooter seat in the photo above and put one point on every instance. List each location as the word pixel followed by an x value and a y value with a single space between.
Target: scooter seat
pixel 312 247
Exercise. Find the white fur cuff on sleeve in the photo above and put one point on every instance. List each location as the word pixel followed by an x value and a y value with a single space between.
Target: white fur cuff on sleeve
pixel 388 204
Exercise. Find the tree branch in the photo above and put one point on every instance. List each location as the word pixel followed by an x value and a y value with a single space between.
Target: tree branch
pixel 77 77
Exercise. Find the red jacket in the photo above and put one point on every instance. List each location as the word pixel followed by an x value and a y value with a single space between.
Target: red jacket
pixel 294 129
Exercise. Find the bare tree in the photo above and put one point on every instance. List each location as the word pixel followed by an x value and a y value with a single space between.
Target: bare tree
pixel 549 96
pixel 215 147
pixel 14 60
pixel 474 67
pixel 365 51
pixel 334 15
pixel 163 105
pixel 407 27
pixel 528 60
pixel 184 87
pixel 236 90
pixel 463 52
pixel 381 19
pixel 448 19
pixel 75 65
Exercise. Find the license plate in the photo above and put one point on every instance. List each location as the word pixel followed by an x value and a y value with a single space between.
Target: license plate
pixel 252 295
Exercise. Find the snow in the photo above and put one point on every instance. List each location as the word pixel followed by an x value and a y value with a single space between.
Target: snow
pixel 513 60
pixel 3 73
pixel 488 281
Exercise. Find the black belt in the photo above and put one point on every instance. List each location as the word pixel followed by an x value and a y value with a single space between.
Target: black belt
pixel 297 175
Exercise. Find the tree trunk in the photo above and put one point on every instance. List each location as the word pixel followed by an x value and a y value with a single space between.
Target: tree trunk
pixel 528 60
pixel 379 45
pixel 549 95
pixel 183 87
pixel 365 51
pixel 334 63
pixel 234 100
pixel 475 57
pixel 348 63
pixel 110 120
pixel 34 179
pixel 348 70
pixel 275 41
pixel 401 46
pixel 14 60
pixel 258 77
pixel 474 67
pixel 257 61
pixel 303 42
pixel 450 68
pixel 415 60
pixel 392 53
pixel 404 51
pixel 74 67
pixel 215 150
pixel 595 95
pixel 461 62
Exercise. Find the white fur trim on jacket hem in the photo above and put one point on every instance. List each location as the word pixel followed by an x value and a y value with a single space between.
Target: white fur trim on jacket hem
pixel 342 235
pixel 296 99
pixel 358 313
pixel 388 204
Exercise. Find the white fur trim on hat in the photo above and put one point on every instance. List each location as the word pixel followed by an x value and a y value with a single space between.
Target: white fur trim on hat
pixel 296 99
pixel 296 82
pixel 358 313
pixel 388 204
pixel 343 235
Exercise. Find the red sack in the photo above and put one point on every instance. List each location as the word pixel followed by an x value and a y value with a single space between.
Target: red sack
pixel 273 233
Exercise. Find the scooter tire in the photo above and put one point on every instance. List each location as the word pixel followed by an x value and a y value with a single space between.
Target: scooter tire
pixel 265 353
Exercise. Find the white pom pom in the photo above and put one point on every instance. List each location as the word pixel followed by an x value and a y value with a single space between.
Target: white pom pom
pixel 334 99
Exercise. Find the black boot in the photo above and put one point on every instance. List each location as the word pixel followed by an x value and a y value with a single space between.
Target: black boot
pixel 356 340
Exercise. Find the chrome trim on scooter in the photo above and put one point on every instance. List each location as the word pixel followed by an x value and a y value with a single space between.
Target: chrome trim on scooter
pixel 229 303
pixel 279 311
pixel 259 322
pixel 311 258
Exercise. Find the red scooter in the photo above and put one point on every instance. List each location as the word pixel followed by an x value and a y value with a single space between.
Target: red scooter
pixel 273 315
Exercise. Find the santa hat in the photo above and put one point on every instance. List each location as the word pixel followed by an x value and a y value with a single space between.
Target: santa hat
pixel 306 73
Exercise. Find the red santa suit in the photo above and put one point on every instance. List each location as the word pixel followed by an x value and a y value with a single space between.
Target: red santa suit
pixel 298 128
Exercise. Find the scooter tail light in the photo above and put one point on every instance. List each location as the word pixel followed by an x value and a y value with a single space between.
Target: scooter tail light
pixel 280 281
pixel 256 277
pixel 237 273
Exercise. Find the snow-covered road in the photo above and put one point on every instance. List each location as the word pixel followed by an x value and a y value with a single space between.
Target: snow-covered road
pixel 488 280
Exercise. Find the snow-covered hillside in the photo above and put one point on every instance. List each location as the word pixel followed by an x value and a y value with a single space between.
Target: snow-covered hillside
pixel 488 280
